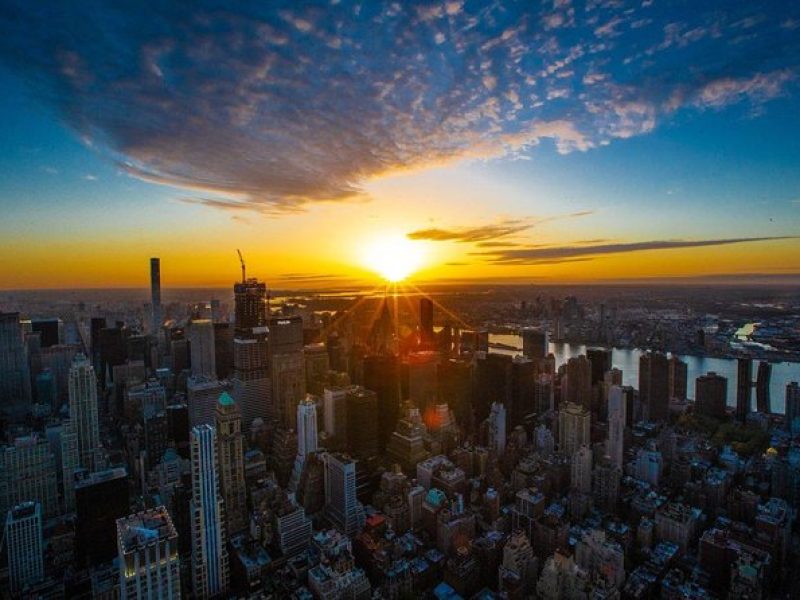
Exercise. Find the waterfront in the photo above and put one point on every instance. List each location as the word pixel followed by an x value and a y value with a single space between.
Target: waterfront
pixel 627 360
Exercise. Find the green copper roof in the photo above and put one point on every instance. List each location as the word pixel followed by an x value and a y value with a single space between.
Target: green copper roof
pixel 226 400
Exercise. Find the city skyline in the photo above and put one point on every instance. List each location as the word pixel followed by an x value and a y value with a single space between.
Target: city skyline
pixel 565 143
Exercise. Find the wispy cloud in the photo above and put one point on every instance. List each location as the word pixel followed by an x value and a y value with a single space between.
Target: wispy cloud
pixel 491 235
pixel 546 255
pixel 273 106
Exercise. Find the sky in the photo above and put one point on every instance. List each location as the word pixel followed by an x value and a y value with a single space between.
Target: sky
pixel 546 142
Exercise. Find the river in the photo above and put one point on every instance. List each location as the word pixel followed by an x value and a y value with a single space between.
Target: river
pixel 627 360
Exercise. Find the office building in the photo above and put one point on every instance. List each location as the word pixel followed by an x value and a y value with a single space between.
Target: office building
pixel 223 349
pixel 710 396
pixel 230 453
pixel 306 437
pixel 497 428
pixel 616 425
pixel 534 343
pixel 578 385
pixel 83 409
pixel 287 367
pixel 24 546
pixel 601 363
pixel 210 569
pixel 317 366
pixel 582 470
pixel 654 385
pixel 762 387
pixel 202 396
pixel 148 397
pixel 100 499
pixel 422 380
pixel 342 508
pixel 15 381
pixel 202 348
pixel 382 376
pixel 28 472
pixel 744 388
pixel 334 403
pixel 252 388
pixel 147 551
pixel 362 422
pixel 574 423
pixel 70 463
pixel 51 331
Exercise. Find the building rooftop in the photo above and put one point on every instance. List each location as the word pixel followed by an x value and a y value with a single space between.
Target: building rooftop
pixel 145 528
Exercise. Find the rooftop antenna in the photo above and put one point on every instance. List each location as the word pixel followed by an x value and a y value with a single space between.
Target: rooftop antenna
pixel 241 260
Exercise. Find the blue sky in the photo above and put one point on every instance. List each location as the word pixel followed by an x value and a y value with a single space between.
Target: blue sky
pixel 648 121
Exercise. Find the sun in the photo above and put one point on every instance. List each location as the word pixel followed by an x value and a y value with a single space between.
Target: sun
pixel 393 257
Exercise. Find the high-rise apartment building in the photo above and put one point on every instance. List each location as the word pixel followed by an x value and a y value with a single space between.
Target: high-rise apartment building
pixel 342 508
pixel 83 410
pixel 210 568
pixel 156 315
pixel 24 545
pixel 230 452
pixel 677 373
pixel 149 565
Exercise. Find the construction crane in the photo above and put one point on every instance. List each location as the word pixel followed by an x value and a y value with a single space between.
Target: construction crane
pixel 241 260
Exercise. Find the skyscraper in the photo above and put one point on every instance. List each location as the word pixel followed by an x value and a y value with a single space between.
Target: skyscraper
pixel 23 540
pixel 579 381
pixel 83 409
pixel 762 387
pixel 678 373
pixel 210 575
pixel 342 508
pixel 792 418
pixel 711 392
pixel 601 363
pixel 574 423
pixel 534 342
pixel 251 383
pixel 382 376
pixel 203 394
pixel 287 367
pixel 422 386
pixel 616 425
pixel 202 348
pixel 654 385
pixel 426 321
pixel 231 462
pixel 101 498
pixel 28 472
pixel 156 317
pixel 306 437
pixel 362 422
pixel 744 388
pixel 582 470
pixel 497 428
pixel 149 566
pixel 15 381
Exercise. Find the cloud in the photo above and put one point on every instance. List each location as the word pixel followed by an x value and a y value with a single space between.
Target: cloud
pixel 274 106
pixel 545 255
pixel 492 235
